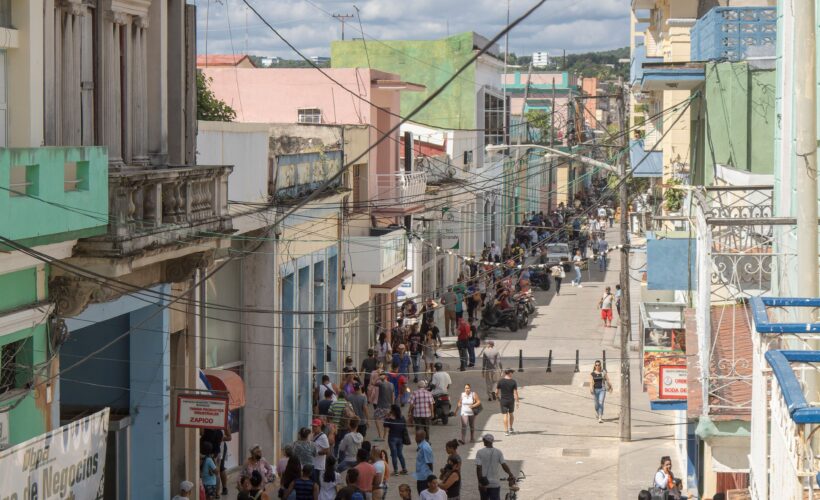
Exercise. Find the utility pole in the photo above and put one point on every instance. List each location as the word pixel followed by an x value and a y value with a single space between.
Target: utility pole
pixel 342 18
pixel 552 195
pixel 626 320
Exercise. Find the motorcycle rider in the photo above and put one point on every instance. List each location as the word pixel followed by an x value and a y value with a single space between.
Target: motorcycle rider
pixel 440 381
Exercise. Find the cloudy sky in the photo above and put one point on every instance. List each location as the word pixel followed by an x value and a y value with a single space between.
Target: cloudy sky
pixel 574 25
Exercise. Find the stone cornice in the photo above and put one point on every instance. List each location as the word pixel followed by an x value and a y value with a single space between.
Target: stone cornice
pixel 137 8
pixel 73 7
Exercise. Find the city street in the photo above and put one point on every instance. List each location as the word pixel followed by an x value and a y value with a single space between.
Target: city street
pixel 563 450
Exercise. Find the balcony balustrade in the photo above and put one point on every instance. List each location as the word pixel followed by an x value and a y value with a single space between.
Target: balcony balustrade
pixel 399 191
pixel 734 34
pixel 159 207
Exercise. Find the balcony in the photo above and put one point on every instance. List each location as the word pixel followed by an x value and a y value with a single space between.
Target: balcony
pixel 734 34
pixel 636 65
pixel 151 209
pixel 378 258
pixel 399 193
pixel 53 194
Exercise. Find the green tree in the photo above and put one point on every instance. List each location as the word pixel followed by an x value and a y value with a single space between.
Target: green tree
pixel 539 121
pixel 208 107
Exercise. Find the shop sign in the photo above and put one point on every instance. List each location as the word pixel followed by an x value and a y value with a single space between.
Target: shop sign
pixel 201 411
pixel 65 463
pixel 673 382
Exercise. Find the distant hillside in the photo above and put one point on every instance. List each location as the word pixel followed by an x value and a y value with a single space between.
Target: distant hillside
pixel 604 65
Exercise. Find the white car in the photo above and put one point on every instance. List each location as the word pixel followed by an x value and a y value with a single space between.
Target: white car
pixel 557 252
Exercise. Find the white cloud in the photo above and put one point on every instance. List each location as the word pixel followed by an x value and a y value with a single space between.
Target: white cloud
pixel 574 25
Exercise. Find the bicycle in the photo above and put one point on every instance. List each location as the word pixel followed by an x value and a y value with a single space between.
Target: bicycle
pixel 512 494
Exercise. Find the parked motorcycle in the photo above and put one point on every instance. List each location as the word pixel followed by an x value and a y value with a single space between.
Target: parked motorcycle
pixel 526 300
pixel 540 278
pixel 492 317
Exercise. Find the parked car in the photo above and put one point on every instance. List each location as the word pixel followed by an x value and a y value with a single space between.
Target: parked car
pixel 557 252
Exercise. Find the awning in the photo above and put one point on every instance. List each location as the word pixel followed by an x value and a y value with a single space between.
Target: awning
pixel 392 284
pixel 230 382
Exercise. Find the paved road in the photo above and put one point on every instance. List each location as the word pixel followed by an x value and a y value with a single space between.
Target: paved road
pixel 559 444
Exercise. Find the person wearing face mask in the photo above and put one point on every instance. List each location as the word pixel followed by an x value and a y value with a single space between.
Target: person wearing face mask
pixel 256 462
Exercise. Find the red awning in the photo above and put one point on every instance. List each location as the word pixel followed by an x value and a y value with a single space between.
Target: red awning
pixel 230 382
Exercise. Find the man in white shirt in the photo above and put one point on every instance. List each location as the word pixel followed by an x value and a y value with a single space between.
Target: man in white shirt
pixel 441 380
pixel 322 445
pixel 489 461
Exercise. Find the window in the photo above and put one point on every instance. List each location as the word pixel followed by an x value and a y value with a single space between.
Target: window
pixel 310 115
pixel 468 158
pixel 494 122
pixel 75 176
pixel 23 180
pixel 15 365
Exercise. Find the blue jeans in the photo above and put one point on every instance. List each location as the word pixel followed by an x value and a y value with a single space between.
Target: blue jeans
pixel 396 445
pixel 577 279
pixel 602 262
pixel 600 395
pixel 462 353
pixel 415 359
pixel 471 351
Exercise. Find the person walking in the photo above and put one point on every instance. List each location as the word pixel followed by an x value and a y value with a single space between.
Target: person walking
pixel 558 274
pixel 415 345
pixel 464 337
pixel 488 462
pixel 424 461
pixel 359 403
pixel 576 265
pixel 304 488
pixel 603 248
pixel 396 430
pixel 467 406
pixel 329 481
pixel 421 407
pixel 605 305
pixel 490 366
pixel 350 446
pixel 449 301
pixel 368 365
pixel 451 479
pixel 385 401
pixel 599 386
pixel 303 448
pixel 507 394
pixel 618 299
pixel 402 359
pixel 322 445
pixel 208 470
pixel 384 350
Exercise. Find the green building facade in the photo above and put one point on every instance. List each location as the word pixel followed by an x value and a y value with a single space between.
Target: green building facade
pixel 428 62
pixel 48 196
pixel 734 123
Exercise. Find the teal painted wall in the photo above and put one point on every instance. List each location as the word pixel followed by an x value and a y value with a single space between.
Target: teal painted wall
pixel 30 417
pixel 36 222
pixel 19 289
pixel 739 113
pixel 428 62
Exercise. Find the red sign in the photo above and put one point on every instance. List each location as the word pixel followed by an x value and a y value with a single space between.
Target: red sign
pixel 203 412
pixel 673 382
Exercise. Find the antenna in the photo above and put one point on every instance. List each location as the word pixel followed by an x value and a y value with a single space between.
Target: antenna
pixel 342 18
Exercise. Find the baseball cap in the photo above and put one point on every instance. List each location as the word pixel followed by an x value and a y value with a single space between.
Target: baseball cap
pixel 186 486
pixel 488 438
pixel 317 422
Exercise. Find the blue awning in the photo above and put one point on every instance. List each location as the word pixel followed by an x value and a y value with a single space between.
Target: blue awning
pixel 645 163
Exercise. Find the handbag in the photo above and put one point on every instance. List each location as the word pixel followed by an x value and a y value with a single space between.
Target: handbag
pixel 405 437
pixel 477 409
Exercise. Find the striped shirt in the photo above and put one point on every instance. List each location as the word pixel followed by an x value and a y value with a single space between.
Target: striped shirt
pixel 337 410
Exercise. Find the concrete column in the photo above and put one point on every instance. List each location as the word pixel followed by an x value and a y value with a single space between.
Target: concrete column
pixel 259 290
pixel 156 74
pixel 25 76
pixel 150 404
pixel 139 94
pixel 111 113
